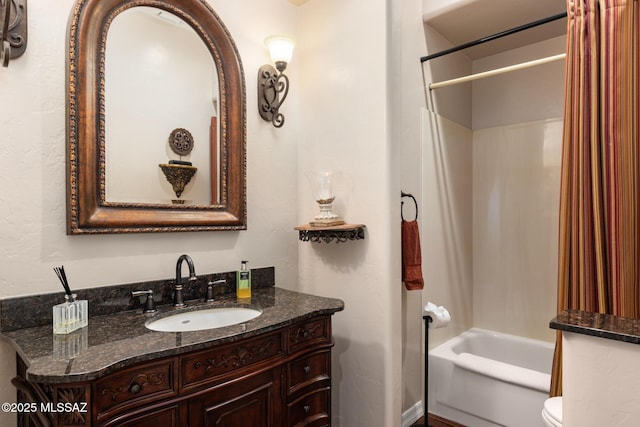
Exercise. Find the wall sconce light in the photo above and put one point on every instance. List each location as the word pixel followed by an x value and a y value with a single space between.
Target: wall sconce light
pixel 13 29
pixel 273 86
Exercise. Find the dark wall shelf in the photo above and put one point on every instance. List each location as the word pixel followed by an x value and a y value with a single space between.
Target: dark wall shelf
pixel 339 233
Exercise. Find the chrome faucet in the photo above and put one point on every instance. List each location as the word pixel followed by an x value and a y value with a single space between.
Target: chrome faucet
pixel 177 296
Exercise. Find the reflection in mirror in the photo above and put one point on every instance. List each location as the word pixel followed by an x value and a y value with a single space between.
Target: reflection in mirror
pixel 162 79
pixel 117 133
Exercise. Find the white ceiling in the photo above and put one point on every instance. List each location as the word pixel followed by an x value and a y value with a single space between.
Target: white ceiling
pixel 476 19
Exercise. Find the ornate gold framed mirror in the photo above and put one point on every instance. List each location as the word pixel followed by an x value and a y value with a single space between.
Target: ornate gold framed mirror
pixel 137 71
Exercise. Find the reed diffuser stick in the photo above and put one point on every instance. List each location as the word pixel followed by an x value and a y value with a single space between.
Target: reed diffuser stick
pixel 63 279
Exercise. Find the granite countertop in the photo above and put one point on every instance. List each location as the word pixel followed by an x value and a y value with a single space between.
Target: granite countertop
pixel 114 341
pixel 598 325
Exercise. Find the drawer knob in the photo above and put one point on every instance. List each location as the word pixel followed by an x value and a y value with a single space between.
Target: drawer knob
pixel 135 388
pixel 307 369
pixel 306 408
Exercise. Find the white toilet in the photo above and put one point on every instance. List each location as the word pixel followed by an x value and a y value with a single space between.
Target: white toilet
pixel 552 412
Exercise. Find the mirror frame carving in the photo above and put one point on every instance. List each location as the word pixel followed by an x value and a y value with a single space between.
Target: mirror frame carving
pixel 88 212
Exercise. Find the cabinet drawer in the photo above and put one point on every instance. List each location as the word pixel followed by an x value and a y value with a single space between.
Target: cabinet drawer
pixel 311 409
pixel 132 386
pixel 309 371
pixel 163 417
pixel 305 334
pixel 217 363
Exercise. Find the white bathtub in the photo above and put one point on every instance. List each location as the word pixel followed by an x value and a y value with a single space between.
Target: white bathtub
pixel 483 379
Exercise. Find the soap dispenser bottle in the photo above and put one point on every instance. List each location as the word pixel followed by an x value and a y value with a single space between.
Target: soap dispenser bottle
pixel 243 282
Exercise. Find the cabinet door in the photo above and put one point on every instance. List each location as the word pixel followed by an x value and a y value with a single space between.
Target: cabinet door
pixel 252 401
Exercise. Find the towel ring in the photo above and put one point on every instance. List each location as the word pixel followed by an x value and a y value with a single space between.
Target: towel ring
pixel 403 194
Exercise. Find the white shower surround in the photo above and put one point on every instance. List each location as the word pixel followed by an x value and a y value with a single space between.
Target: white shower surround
pixel 516 184
pixel 503 190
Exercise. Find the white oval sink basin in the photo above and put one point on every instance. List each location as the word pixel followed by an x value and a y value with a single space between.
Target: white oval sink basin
pixel 200 320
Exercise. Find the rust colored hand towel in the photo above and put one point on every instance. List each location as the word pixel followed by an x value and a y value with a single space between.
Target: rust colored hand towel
pixel 411 256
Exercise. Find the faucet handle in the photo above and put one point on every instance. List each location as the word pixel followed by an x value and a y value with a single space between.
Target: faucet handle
pixel 210 286
pixel 149 305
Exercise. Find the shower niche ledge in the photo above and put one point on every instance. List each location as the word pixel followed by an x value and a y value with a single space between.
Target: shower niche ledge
pixel 338 233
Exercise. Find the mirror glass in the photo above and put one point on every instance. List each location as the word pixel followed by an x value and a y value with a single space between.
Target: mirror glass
pixel 156 124
pixel 162 79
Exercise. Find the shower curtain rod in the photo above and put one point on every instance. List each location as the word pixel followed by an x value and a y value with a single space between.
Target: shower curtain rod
pixel 497 71
pixel 494 36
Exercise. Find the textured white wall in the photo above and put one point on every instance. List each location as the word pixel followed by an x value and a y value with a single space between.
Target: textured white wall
pixel 345 125
pixel 600 382
pixel 32 182
pixel 409 92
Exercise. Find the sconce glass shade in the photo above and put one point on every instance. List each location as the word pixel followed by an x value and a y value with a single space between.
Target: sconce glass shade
pixel 280 48
pixel 273 86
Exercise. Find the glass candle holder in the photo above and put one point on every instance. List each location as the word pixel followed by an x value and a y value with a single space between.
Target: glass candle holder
pixel 71 315
pixel 322 187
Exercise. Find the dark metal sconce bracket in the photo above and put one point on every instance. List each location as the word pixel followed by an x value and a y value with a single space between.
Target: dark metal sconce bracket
pixel 273 87
pixel 13 29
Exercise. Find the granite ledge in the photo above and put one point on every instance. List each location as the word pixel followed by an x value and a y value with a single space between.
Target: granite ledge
pixel 598 325
pixel 114 341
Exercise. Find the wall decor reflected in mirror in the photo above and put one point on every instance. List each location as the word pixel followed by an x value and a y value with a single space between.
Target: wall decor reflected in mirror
pixel 180 172
pixel 142 75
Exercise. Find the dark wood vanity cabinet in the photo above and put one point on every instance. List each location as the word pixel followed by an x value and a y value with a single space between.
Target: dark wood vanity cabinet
pixel 279 378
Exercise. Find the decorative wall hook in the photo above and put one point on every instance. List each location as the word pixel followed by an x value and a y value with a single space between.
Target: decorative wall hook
pixel 273 86
pixel 13 29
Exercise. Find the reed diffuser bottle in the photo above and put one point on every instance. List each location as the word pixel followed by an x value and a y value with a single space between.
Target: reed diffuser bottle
pixel 72 314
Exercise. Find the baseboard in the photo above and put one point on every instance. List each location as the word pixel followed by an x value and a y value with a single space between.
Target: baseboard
pixel 412 414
